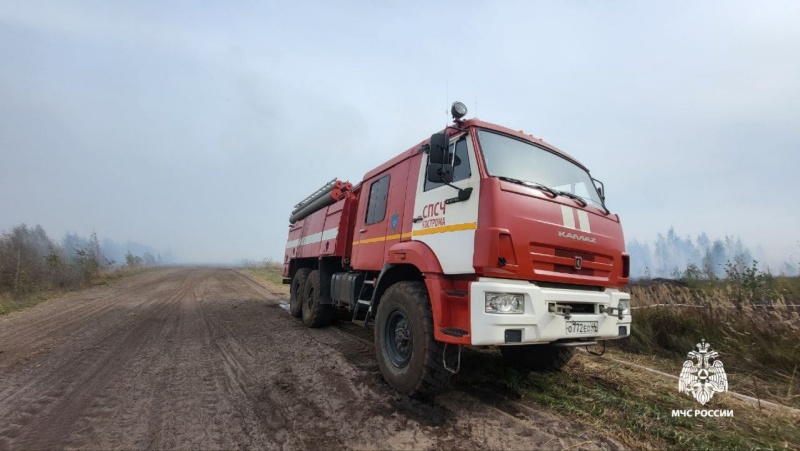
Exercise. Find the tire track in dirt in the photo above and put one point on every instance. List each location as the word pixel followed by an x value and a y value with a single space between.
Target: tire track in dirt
pixel 80 380
pixel 205 358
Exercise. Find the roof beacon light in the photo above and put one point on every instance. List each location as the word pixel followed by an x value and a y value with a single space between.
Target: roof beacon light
pixel 458 110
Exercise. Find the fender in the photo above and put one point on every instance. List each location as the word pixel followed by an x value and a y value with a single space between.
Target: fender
pixel 407 260
pixel 414 253
pixel 411 260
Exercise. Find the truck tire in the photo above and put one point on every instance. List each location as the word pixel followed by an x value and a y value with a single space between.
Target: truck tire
pixel 409 357
pixel 296 292
pixel 538 357
pixel 314 313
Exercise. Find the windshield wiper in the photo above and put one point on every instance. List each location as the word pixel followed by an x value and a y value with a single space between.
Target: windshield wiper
pixel 544 188
pixel 582 201
pixel 575 197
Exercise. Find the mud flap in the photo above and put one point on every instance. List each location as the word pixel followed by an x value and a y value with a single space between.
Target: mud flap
pixel 327 268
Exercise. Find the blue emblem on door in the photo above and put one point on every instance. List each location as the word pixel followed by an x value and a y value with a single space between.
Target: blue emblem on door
pixel 395 220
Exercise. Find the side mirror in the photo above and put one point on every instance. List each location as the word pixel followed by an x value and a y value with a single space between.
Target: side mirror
pixel 601 189
pixel 439 149
pixel 440 173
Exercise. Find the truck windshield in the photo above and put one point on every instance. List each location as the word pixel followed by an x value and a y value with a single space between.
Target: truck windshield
pixel 515 159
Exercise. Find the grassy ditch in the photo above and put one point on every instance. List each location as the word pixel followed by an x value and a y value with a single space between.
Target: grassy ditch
pixel 758 340
pixel 630 405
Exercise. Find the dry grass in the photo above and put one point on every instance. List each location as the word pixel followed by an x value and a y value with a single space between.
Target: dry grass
pixel 758 343
pixel 10 304
pixel 632 406
pixel 268 271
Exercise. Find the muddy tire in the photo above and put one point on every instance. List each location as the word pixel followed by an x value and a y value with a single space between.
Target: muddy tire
pixel 296 292
pixel 314 313
pixel 537 357
pixel 409 357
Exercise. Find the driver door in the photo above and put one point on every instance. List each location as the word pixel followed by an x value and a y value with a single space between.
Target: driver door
pixel 448 226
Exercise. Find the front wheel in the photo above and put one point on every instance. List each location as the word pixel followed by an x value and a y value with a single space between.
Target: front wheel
pixel 409 357
pixel 538 357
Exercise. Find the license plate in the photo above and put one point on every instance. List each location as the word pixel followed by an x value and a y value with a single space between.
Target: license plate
pixel 582 327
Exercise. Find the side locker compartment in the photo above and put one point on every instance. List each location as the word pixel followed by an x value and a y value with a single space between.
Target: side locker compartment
pixel 330 229
pixel 312 234
pixel 344 240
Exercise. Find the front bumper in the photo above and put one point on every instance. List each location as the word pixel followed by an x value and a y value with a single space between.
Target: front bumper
pixel 538 324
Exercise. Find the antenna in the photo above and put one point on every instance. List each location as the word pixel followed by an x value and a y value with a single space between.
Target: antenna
pixel 447 98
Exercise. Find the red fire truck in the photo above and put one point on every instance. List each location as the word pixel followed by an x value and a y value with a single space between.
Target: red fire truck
pixel 480 236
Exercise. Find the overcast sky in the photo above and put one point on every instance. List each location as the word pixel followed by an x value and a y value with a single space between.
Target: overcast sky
pixel 196 127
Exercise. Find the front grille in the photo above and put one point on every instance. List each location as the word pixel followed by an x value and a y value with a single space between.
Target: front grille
pixel 567 286
pixel 550 260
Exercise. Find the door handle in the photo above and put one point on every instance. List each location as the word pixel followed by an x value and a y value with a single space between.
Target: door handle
pixel 417 219
pixel 362 230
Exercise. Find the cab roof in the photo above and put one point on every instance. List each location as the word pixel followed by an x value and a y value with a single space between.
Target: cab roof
pixel 467 125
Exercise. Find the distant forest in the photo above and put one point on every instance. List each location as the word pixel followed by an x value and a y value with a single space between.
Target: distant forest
pixel 31 261
pixel 673 256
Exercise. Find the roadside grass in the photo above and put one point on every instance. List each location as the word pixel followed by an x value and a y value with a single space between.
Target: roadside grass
pixel 630 406
pixel 758 342
pixel 267 271
pixel 765 384
pixel 10 304
pixel 107 277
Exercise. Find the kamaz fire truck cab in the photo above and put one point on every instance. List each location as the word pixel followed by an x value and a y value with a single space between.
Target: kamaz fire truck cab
pixel 480 235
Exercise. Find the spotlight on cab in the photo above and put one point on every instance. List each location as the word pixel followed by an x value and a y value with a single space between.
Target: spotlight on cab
pixel 458 110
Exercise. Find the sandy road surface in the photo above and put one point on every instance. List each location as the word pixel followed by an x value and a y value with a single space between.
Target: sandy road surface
pixel 206 358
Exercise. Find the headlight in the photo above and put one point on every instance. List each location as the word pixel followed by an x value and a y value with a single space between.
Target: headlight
pixel 625 306
pixel 505 303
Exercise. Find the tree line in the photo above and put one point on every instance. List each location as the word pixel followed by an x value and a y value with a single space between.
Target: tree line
pixel 31 261
pixel 674 256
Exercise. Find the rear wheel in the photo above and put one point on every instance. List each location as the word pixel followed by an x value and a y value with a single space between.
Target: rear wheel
pixel 314 313
pixel 538 357
pixel 296 292
pixel 409 357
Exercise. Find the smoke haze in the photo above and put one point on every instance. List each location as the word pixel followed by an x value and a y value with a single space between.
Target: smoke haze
pixel 196 127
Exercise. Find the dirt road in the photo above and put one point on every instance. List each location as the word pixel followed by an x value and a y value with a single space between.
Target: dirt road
pixel 206 358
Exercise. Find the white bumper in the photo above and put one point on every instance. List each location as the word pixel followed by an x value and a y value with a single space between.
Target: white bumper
pixel 538 324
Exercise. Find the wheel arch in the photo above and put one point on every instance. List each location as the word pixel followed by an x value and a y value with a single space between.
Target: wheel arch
pixel 412 261
pixel 415 253
pixel 297 263
pixel 390 275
